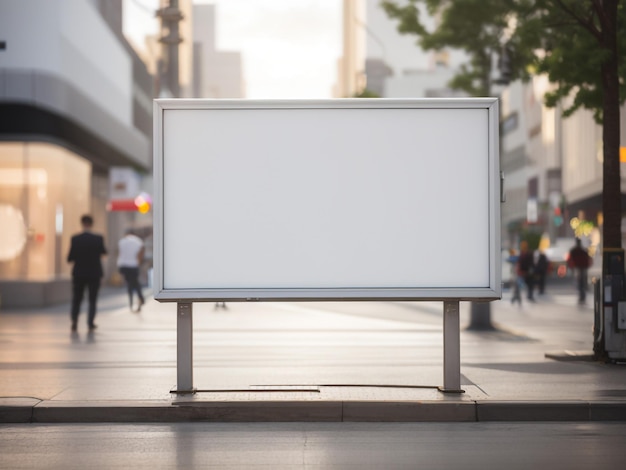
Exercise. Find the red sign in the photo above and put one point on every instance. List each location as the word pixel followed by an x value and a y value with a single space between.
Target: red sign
pixel 122 205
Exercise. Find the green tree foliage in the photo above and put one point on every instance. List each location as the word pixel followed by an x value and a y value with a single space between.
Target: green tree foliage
pixel 579 44
pixel 580 40
pixel 483 29
pixel 584 56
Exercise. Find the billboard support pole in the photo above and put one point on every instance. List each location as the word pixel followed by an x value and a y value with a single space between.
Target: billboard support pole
pixel 184 348
pixel 451 348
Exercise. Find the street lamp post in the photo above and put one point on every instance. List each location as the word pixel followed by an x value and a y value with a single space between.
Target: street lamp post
pixel 170 38
pixel 480 312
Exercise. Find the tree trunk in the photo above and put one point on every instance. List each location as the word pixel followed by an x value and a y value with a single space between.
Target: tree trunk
pixel 612 193
pixel 613 255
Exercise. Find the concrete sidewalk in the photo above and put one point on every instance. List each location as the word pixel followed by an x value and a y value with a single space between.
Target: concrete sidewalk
pixel 355 361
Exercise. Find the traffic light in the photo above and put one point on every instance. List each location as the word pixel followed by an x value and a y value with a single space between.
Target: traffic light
pixel 557 217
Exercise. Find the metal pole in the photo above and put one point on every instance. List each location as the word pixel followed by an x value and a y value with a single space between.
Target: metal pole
pixel 451 348
pixel 175 40
pixel 170 16
pixel 184 348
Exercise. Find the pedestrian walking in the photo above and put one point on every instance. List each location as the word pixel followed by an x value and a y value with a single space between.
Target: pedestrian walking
pixel 130 252
pixel 86 251
pixel 516 281
pixel 526 269
pixel 542 266
pixel 579 260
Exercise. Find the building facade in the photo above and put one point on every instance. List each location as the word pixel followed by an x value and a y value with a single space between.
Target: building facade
pixel 217 74
pixel 553 170
pixel 552 165
pixel 351 64
pixel 395 65
pixel 75 101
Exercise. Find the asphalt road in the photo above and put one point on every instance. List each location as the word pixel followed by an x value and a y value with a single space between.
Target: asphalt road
pixel 509 446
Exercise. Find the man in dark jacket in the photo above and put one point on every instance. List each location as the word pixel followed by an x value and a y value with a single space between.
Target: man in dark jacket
pixel 579 260
pixel 86 251
pixel 526 268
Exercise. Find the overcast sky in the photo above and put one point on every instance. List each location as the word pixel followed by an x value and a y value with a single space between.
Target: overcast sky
pixel 290 48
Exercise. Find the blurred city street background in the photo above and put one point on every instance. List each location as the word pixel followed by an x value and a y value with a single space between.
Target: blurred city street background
pixel 369 350
pixel 248 346
pixel 78 79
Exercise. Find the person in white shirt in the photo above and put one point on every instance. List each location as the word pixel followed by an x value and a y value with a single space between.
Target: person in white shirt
pixel 130 256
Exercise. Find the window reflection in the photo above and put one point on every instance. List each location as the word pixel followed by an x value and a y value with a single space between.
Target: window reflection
pixel 39 183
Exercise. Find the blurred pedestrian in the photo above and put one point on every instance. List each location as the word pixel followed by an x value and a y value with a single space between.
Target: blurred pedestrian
pixel 579 260
pixel 542 266
pixel 86 251
pixel 516 281
pixel 526 269
pixel 130 252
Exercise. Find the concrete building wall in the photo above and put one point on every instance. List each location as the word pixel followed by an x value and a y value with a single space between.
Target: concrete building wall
pixel 351 66
pixel 73 99
pixel 582 156
pixel 413 72
pixel 560 158
pixel 204 26
pixel 420 84
pixel 69 40
pixel 219 73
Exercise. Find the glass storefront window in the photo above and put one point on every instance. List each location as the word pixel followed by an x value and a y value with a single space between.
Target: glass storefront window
pixel 44 189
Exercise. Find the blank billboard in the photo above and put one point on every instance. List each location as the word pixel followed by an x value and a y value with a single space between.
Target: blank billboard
pixel 332 199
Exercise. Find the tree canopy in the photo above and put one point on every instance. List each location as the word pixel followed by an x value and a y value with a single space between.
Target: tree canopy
pixel 480 28
pixel 579 44
pixel 566 39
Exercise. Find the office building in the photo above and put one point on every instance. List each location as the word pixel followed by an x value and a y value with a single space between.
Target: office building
pixel 217 73
pixel 75 102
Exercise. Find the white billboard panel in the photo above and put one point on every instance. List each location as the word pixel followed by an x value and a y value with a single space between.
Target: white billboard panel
pixel 332 199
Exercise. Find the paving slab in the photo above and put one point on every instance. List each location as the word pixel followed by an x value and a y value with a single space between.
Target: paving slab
pixel 334 361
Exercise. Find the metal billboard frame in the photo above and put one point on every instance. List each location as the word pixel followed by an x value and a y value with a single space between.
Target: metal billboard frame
pixel 450 295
